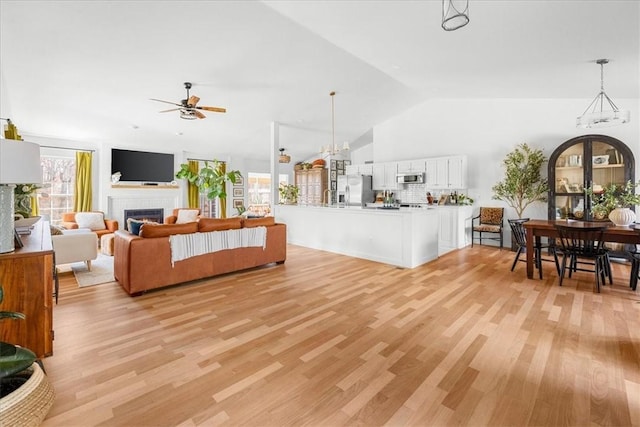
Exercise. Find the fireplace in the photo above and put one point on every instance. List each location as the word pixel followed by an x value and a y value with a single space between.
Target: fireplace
pixel 155 215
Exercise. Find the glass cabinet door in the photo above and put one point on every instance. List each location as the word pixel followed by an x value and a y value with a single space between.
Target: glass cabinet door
pixel 591 161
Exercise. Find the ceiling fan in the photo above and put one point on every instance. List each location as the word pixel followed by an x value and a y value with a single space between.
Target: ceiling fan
pixel 188 107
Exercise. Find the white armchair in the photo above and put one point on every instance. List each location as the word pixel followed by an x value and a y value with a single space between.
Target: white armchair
pixel 75 246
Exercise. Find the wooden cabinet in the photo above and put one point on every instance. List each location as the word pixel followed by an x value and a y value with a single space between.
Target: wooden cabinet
pixel 446 172
pixel 384 176
pixel 586 161
pixel 26 276
pixel 312 184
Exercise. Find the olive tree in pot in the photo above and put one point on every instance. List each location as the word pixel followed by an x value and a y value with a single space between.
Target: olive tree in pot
pixel 523 183
pixel 211 180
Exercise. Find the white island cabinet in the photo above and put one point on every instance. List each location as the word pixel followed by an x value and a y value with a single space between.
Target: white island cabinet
pixel 455 228
pixel 407 237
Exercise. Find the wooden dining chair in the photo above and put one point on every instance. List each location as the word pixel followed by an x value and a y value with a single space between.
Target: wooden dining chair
pixel 583 247
pixel 519 236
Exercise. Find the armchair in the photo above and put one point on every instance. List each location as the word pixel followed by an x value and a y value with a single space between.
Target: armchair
pixel 490 220
pixel 95 221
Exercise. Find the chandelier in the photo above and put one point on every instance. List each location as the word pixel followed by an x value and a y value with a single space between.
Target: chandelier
pixel 598 116
pixel 452 17
pixel 333 148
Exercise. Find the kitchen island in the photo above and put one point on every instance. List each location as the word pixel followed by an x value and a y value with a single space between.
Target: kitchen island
pixel 406 237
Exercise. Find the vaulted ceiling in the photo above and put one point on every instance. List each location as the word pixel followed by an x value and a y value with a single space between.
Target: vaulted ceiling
pixel 86 70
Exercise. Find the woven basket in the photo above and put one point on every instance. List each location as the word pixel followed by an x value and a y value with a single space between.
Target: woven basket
pixel 28 405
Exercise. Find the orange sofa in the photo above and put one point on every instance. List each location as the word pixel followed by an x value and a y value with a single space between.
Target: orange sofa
pixel 143 262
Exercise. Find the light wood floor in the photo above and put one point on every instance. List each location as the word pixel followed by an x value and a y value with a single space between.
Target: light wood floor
pixel 328 340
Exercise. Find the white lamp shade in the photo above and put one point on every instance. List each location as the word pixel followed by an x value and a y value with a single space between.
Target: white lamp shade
pixel 19 162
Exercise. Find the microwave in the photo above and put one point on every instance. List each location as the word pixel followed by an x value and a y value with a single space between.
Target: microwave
pixel 410 178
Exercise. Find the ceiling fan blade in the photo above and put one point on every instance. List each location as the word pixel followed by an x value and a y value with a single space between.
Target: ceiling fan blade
pixel 166 102
pixel 166 111
pixel 193 100
pixel 199 114
pixel 214 109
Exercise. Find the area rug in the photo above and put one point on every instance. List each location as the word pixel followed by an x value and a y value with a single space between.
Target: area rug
pixel 101 271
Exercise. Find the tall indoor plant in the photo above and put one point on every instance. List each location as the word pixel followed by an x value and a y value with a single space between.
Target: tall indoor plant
pixel 211 180
pixel 523 183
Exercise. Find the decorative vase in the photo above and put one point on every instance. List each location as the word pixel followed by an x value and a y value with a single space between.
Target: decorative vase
pixel 622 216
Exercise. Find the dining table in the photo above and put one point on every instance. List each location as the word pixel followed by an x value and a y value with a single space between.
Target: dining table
pixel 537 228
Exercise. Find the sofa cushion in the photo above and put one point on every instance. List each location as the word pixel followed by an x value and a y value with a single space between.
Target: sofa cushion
pixel 91 220
pixel 134 225
pixel 258 222
pixel 187 215
pixel 165 230
pixel 219 224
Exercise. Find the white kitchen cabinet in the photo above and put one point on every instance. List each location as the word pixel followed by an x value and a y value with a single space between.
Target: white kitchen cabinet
pixel 363 169
pixel 446 172
pixel 415 166
pixel 384 176
pixel 454 228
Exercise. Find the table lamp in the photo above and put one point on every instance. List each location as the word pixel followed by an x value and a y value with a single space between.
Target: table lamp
pixel 19 164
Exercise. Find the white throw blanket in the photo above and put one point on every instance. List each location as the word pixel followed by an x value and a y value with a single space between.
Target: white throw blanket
pixel 185 246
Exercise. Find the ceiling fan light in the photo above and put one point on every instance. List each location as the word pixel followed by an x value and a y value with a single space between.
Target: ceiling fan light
pixel 188 114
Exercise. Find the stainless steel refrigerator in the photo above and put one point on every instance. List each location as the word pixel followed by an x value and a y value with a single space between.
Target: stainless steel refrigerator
pixel 355 190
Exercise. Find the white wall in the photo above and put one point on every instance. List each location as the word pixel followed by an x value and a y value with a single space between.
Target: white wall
pixel 486 130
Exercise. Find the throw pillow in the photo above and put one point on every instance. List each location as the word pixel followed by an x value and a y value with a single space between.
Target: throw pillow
pixel 187 215
pixel 92 220
pixel 56 230
pixel 135 225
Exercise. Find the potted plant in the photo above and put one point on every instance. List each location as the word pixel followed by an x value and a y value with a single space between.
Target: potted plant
pixel 211 180
pixel 288 194
pixel 615 202
pixel 523 184
pixel 25 392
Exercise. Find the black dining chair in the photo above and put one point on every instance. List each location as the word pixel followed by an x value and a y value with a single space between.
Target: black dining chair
pixel 519 236
pixel 583 247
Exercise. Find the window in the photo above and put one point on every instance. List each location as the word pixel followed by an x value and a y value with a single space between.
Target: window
pixel 259 192
pixel 58 177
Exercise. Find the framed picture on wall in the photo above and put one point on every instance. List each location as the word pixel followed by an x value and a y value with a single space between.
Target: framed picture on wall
pixel 238 203
pixel 238 192
pixel 239 182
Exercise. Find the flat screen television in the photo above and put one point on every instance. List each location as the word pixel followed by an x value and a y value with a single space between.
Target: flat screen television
pixel 142 166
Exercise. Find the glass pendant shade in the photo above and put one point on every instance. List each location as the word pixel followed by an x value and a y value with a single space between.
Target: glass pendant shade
pixel 596 116
pixel 455 14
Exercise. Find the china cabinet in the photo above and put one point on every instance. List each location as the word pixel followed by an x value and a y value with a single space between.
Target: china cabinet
pixel 312 184
pixel 595 161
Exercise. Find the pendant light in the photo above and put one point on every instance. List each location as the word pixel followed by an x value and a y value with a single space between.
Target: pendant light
pixel 284 158
pixel 333 148
pixel 454 17
pixel 598 116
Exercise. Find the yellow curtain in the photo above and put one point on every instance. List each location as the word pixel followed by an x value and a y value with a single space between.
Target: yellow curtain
pixel 83 192
pixel 223 201
pixel 35 209
pixel 193 193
